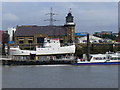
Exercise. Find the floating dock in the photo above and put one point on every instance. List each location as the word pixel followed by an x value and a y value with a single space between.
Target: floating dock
pixel 34 62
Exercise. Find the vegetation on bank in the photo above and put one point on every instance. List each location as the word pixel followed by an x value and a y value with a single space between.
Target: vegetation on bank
pixel 105 36
pixel 96 48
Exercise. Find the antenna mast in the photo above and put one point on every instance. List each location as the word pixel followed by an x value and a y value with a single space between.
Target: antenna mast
pixel 70 10
pixel 51 17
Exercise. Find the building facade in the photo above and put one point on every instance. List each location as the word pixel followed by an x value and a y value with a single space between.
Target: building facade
pixel 34 35
pixel 11 32
pixel 103 33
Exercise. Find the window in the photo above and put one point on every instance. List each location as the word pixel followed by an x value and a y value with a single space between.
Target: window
pixel 104 58
pixel 118 58
pixel 21 42
pixel 40 40
pixel 114 58
pixel 100 58
pixel 30 41
pixel 30 38
pixel 61 41
pixel 21 38
pixel 48 41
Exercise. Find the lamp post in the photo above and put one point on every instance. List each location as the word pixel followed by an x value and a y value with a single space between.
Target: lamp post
pixel 88 47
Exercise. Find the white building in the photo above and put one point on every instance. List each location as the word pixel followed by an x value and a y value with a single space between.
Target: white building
pixel 93 39
pixel 11 32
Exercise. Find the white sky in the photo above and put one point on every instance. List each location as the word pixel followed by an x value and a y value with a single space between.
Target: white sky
pixel 90 16
pixel 60 0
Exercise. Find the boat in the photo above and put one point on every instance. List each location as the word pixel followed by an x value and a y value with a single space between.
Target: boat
pixel 50 48
pixel 101 59
pixel 4 58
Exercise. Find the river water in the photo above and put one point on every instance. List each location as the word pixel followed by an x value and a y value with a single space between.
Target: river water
pixel 60 76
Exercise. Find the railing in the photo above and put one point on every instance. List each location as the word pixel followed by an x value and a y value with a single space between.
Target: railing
pixel 40 45
pixel 42 58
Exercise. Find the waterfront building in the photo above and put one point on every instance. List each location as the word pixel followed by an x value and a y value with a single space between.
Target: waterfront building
pixel 103 33
pixel 33 34
pixel 93 39
pixel 11 32
pixel 80 34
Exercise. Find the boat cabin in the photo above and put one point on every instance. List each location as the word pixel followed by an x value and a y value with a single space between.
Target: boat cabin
pixel 98 58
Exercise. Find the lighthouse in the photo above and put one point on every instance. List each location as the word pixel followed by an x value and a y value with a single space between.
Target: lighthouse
pixel 70 25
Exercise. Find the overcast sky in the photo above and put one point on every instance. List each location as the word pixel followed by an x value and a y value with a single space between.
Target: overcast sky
pixel 88 16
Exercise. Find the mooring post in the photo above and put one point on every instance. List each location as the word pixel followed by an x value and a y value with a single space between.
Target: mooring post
pixel 88 47
pixel 8 46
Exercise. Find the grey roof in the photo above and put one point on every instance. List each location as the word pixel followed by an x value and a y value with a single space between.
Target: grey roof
pixel 32 30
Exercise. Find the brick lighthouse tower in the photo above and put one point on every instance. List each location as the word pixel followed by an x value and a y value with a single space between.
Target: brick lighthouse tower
pixel 70 25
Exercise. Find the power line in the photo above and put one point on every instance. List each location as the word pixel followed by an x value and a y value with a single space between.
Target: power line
pixel 51 17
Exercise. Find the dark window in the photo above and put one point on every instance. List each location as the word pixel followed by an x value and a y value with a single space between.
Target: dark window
pixel 31 38
pixel 40 40
pixel 21 42
pixel 48 41
pixel 21 38
pixel 30 41
pixel 61 41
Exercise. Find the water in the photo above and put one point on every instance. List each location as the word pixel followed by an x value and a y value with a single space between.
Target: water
pixel 60 76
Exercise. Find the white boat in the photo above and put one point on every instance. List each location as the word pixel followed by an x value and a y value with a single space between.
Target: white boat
pixel 50 47
pixel 100 59
pixel 114 57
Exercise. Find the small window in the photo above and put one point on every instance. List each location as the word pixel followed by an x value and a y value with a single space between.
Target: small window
pixel 30 41
pixel 97 58
pixel 104 58
pixel 30 38
pixel 112 58
pixel 48 41
pixel 21 42
pixel 61 41
pixel 21 38
pixel 118 58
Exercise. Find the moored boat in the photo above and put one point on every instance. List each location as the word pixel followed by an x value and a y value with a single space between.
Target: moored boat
pixel 51 50
pixel 101 59
pixel 50 47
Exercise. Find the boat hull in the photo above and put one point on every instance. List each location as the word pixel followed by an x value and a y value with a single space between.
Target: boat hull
pixel 43 51
pixel 98 63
